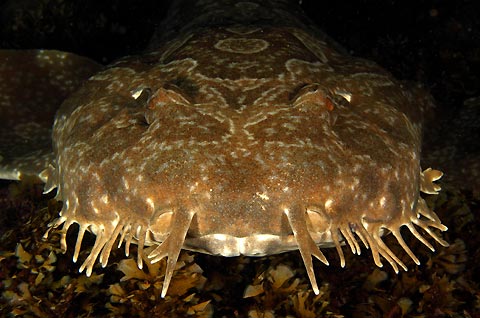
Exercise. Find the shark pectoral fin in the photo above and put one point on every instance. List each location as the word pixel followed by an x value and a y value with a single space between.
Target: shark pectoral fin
pixel 33 84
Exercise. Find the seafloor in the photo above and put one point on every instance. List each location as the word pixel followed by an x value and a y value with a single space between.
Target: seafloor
pixel 436 43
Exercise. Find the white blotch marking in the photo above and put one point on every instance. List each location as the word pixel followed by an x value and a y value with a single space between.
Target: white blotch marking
pixel 382 201
pixel 150 203
pixel 263 196
pixel 137 92
pixel 104 198
pixel 220 237
pixel 328 204
pixel 344 94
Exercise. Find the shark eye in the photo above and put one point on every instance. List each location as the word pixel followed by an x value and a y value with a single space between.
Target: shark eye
pixel 315 95
pixel 165 96
pixel 162 101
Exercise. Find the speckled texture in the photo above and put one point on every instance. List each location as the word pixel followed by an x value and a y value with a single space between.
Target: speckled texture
pixel 436 50
pixel 33 85
pixel 251 149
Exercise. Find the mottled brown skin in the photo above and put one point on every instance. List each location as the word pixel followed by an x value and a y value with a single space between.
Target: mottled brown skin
pixel 242 139
pixel 33 84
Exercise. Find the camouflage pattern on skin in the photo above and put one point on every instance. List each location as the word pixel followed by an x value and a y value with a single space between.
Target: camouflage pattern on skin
pixel 244 131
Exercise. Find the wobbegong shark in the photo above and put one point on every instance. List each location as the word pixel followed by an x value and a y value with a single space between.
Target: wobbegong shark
pixel 242 130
